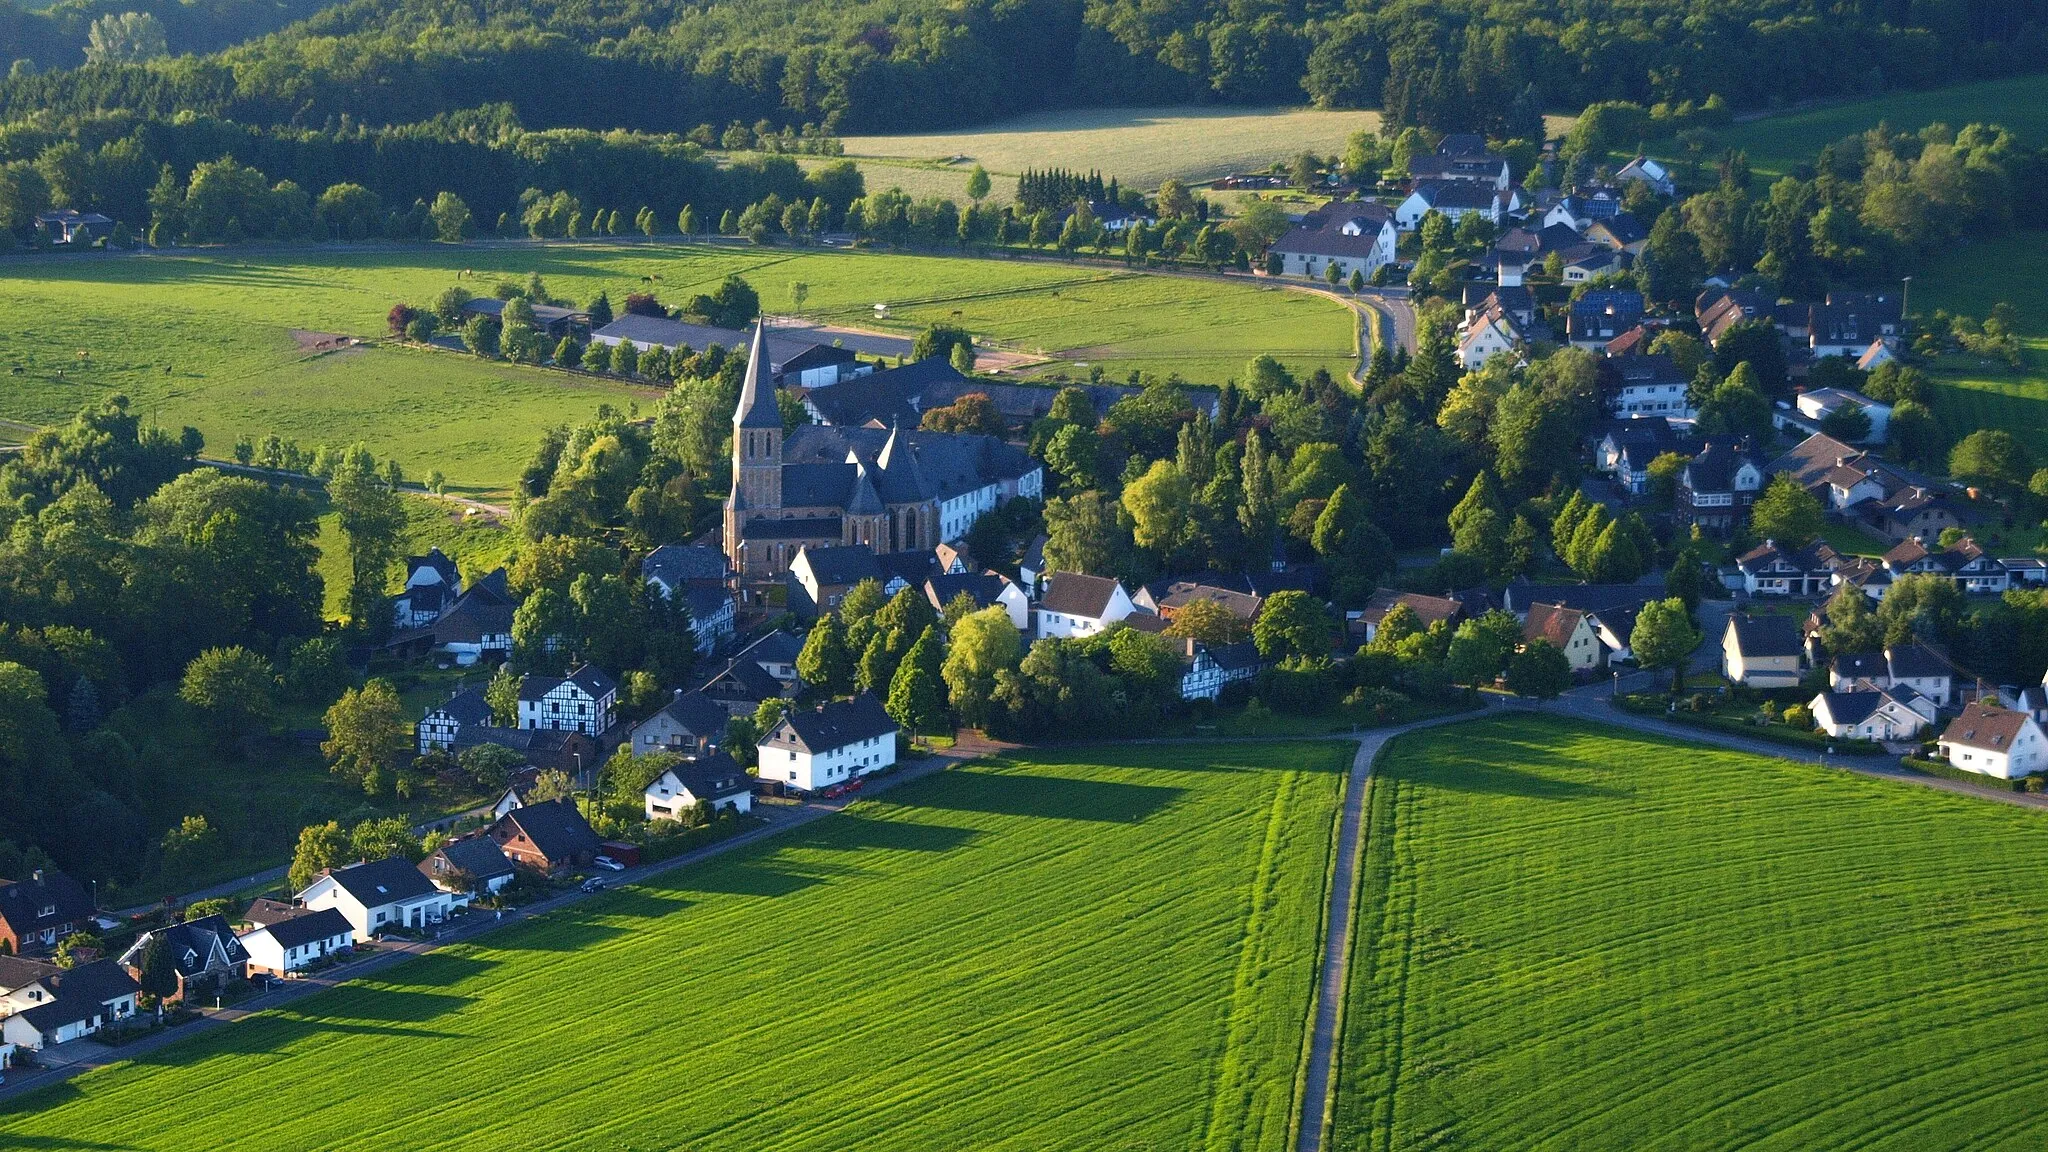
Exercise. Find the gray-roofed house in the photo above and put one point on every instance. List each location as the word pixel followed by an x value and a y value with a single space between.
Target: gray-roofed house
pixel 1074 604
pixel 986 589
pixel 550 837
pixel 1762 651
pixel 1916 666
pixel 714 616
pixel 819 578
pixel 471 866
pixel 792 360
pixel 583 701
pixel 1866 711
pixel 1354 235
pixel 1627 447
pixel 674 566
pixel 297 942
pixel 65 1005
pixel 690 724
pixel 445 724
pixel 37 912
pixel 379 895
pixel 205 954
pixel 819 486
pixel 1719 484
pixel 826 746
pixel 552 320
pixel 716 780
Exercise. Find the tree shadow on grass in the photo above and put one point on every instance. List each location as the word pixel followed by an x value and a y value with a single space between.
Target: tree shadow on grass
pixel 590 922
pixel 1042 797
pixel 382 1005
pixel 270 1035
pixel 437 970
pixel 1504 765
pixel 851 832
pixel 751 879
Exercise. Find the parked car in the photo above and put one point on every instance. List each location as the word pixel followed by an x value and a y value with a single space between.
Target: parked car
pixel 609 864
pixel 594 884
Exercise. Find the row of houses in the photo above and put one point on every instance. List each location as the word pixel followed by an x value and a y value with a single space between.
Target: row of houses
pixel 1590 623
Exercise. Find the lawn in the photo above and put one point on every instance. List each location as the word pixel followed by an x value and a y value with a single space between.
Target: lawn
pixel 1571 938
pixel 1971 393
pixel 207 338
pixel 1777 143
pixel 1054 952
pixel 477 545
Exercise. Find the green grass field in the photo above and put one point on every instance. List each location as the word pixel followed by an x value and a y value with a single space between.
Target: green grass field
pixel 476 546
pixel 1046 953
pixel 1972 393
pixel 1776 143
pixel 1571 938
pixel 206 339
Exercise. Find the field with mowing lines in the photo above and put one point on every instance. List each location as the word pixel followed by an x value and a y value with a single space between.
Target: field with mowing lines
pixel 1971 394
pixel 1572 938
pixel 1108 948
pixel 1777 143
pixel 205 339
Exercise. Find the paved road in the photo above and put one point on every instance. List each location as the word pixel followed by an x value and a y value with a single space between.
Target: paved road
pixel 65 1061
pixel 1324 1038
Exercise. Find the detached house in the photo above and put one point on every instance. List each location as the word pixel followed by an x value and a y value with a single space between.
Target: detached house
pixel 1869 712
pixel 1428 610
pixel 550 837
pixel 1821 403
pixel 1647 171
pixel 1997 742
pixel 830 744
pixel 716 780
pixel 298 941
pixel 690 724
pixel 471 866
pixel 1717 486
pixel 1491 331
pixel 1352 236
pixel 37 912
pixel 379 895
pixel 1770 569
pixel 1077 605
pixel 431 586
pixel 1761 651
pixel 67 1004
pixel 446 724
pixel 205 953
pixel 1914 666
pixel 582 701
pixel 477 626
pixel 1645 386
pixel 1569 630
pixel 1206 672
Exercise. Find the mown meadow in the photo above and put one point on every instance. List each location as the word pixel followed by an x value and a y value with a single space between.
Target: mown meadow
pixel 1777 144
pixel 207 337
pixel 1573 938
pixel 1093 948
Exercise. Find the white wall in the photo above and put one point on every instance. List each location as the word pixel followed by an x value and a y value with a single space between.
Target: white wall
pixel 808 772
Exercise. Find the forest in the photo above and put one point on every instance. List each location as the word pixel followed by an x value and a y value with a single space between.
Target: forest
pixel 874 66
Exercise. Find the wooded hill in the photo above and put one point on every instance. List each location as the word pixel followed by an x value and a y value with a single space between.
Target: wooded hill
pixel 891 65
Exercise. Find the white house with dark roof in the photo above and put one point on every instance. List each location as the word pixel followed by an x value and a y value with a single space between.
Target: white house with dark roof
pixel 1914 666
pixel 1866 711
pixel 986 589
pixel 2000 742
pixel 297 942
pixel 67 1004
pixel 1354 235
pixel 717 780
pixel 379 895
pixel 1489 332
pixel 583 701
pixel 828 745
pixel 445 725
pixel 1761 651
pixel 690 724
pixel 1077 605
pixel 432 584
pixel 1454 200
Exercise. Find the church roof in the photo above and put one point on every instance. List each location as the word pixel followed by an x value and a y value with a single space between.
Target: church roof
pixel 757 408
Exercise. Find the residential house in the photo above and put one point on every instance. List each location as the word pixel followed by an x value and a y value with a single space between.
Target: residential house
pixel 1074 604
pixel 1644 385
pixel 1771 569
pixel 432 585
pixel 1998 742
pixel 1840 475
pixel 1647 171
pixel 1973 569
pixel 1569 630
pixel 1915 666
pixel 1579 210
pixel 297 942
pixel 1428 610
pixel 1166 598
pixel 1917 512
pixel 742 684
pixel 1031 570
pixel 477 626
pixel 2033 700
pixel 1490 332
pixel 550 837
pixel 1634 342
pixel 690 724
pixel 1462 157
pixel 1354 236
pixel 828 745
pixel 471 866
pixel 1869 712
pixel 583 701
pixel 67 1004
pixel 1207 672
pixel 675 566
pixel 1621 232
pixel 1820 403
pixel 1627 446
pixel 1719 309
pixel 986 589
pixel 1513 299
pixel 379 895
pixel 716 780
pixel 713 617
pixel 1452 199
pixel 1718 485
pixel 1761 651
pixel 1602 314
pixel 37 912
pixel 819 578
pixel 73 227
pixel 792 360
pixel 1592 261
pixel 446 724
pixel 204 953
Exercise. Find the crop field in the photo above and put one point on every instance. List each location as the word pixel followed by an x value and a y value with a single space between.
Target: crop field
pixel 1971 393
pixel 1058 952
pixel 208 339
pixel 1572 938
pixel 1776 143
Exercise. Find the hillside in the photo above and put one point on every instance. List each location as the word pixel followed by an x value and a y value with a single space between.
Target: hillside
pixel 906 65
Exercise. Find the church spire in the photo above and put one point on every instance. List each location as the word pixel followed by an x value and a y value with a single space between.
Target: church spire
pixel 757 407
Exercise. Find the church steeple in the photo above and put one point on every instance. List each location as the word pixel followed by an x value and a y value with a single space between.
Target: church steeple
pixel 757 408
pixel 756 453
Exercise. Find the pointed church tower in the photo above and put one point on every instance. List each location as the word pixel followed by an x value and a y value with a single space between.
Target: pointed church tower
pixel 756 451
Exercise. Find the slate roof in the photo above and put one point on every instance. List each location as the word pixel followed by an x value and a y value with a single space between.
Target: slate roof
pixel 752 681
pixel 713 777
pixel 380 882
pixel 982 587
pixel 592 680
pixel 1917 662
pixel 833 725
pixel 479 856
pixel 1759 637
pixel 1467 195
pixel 1988 728
pixel 555 827
pixel 757 407
pixel 195 938
pixel 1236 657
pixel 806 528
pixel 920 465
pixel 1350 229
pixel 22 902
pixel 1713 470
pixel 696 714
pixel 438 561
pixel 1594 598
pixel 675 564
pixel 484 609
pixel 705 603
pixel 305 928
pixel 847 564
pixel 785 353
pixel 1852 707
pixel 1644 438
pixel 80 993
pixel 892 396
pixel 1076 594
pixel 1624 227
pixel 466 708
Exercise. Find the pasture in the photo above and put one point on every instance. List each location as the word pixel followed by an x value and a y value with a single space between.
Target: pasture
pixel 1094 948
pixel 1971 393
pixel 1778 143
pixel 1574 938
pixel 206 338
